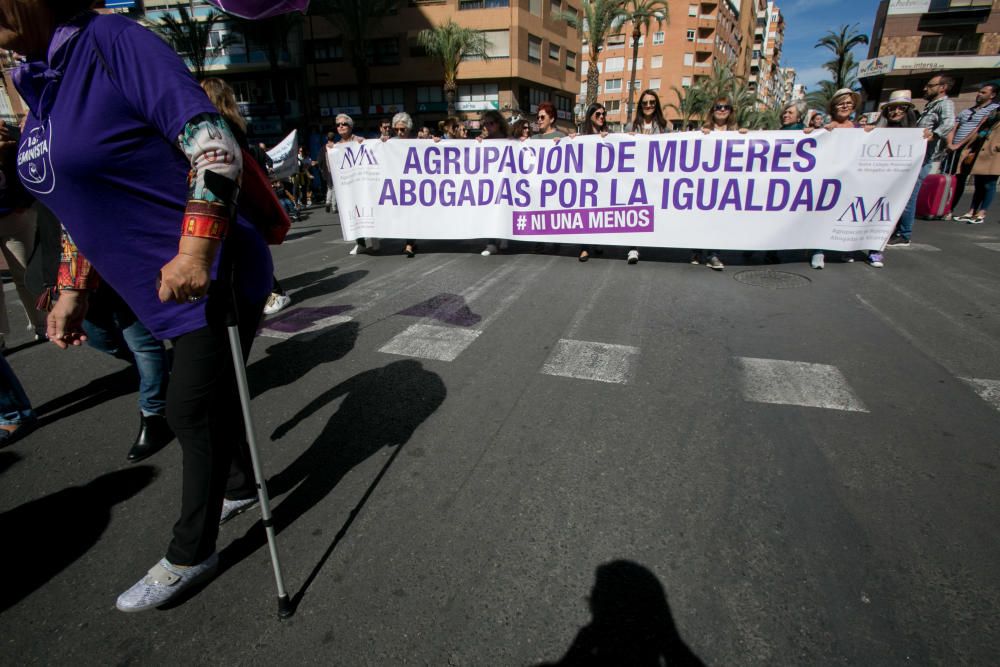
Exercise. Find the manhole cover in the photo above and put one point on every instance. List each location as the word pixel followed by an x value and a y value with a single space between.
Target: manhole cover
pixel 772 279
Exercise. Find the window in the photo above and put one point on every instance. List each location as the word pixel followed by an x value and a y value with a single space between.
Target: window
pixel 555 6
pixel 553 52
pixel 499 43
pixel 613 86
pixel 383 51
pixel 638 65
pixel 427 94
pixel 338 99
pixel 654 84
pixel 586 68
pixel 534 49
pixel 685 82
pixel 616 42
pixel 692 10
pixel 479 92
pixel 570 61
pixel 688 59
pixel 613 106
pixel 583 87
pixel 656 62
pixel 658 37
pixel 690 35
pixel 535 97
pixel 482 4
pixel 614 64
pixel 951 44
pixel 387 97
pixel 326 50
pixel 636 85
pixel 535 7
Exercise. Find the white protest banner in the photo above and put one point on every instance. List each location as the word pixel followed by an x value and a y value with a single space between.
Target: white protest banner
pixel 285 157
pixel 839 190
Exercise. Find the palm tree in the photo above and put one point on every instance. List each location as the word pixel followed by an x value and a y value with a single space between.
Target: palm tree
pixel 820 99
pixel 357 21
pixel 691 103
pixel 641 13
pixel 450 44
pixel 840 42
pixel 599 17
pixel 189 36
pixel 271 35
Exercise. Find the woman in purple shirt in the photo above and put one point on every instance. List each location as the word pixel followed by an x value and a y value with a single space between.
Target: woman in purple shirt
pixel 125 148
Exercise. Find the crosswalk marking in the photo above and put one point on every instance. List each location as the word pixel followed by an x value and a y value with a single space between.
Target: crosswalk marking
pixel 587 360
pixel 990 246
pixel 797 383
pixel 431 341
pixel 988 390
pixel 925 247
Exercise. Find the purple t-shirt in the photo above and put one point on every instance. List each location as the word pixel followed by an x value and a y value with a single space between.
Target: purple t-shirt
pixel 104 159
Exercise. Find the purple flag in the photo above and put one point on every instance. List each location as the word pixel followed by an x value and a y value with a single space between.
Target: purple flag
pixel 260 9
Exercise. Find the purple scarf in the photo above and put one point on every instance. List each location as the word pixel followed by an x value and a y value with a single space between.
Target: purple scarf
pixel 38 81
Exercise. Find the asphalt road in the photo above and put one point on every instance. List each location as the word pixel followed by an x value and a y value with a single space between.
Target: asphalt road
pixel 496 460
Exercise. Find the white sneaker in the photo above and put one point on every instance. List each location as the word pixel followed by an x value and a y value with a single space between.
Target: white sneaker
pixel 163 582
pixel 276 302
pixel 818 260
pixel 715 263
pixel 633 257
pixel 491 249
pixel 355 249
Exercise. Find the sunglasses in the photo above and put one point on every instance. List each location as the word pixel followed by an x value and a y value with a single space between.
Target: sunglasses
pixel 896 110
pixel 723 107
pixel 649 103
pixel 399 130
pixel 343 125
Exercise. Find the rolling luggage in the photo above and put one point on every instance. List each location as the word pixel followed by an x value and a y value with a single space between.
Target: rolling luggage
pixel 934 199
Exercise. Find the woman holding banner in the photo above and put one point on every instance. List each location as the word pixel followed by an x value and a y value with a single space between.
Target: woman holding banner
pixel 494 127
pixel 722 119
pixel 595 122
pixel 648 120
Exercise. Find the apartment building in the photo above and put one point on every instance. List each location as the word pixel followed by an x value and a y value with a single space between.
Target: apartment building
pixel 912 40
pixel 765 76
pixel 673 55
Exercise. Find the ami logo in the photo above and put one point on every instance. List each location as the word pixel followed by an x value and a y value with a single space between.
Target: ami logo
pixel 358 156
pixel 859 211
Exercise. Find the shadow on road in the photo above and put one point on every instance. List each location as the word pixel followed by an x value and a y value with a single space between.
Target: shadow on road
pixel 7 459
pixel 290 359
pixel 632 624
pixel 326 286
pixel 44 536
pixel 291 236
pixel 381 408
pixel 95 392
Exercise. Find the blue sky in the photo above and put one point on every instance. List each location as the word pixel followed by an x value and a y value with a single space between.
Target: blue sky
pixel 808 20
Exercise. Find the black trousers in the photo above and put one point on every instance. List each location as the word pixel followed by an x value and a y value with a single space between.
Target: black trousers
pixel 203 409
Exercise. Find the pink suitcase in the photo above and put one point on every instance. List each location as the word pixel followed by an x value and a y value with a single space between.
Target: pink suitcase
pixel 934 199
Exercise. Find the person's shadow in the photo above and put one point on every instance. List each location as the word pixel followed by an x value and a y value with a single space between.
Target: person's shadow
pixel 632 624
pixel 44 536
pixel 290 359
pixel 382 408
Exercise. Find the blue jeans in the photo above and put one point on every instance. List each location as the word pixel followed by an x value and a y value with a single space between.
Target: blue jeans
pixel 15 408
pixel 984 192
pixel 113 328
pixel 905 225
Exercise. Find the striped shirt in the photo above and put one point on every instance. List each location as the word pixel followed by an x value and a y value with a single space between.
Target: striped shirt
pixel 969 119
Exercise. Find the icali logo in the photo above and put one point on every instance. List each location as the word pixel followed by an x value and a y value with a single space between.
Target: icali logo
pixel 859 211
pixel 362 157
pixel 362 213
pixel 887 149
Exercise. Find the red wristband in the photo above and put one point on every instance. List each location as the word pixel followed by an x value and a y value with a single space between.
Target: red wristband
pixel 205 220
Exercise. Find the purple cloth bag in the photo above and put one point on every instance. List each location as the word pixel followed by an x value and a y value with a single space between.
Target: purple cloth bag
pixel 260 9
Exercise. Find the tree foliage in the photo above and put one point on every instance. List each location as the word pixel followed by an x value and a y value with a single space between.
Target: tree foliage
pixel 189 36
pixel 450 44
pixel 597 20
pixel 641 14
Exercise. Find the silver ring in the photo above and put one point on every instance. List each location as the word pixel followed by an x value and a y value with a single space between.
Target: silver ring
pixel 194 299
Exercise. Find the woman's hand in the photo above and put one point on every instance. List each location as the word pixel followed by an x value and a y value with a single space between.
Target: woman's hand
pixel 928 135
pixel 869 128
pixel 64 324
pixel 604 133
pixel 743 130
pixel 184 279
pixel 808 130
pixel 705 130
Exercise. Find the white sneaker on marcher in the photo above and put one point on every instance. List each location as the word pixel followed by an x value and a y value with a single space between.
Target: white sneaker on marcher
pixel 491 249
pixel 818 261
pixel 355 249
pixel 276 302
pixel 163 582
pixel 633 257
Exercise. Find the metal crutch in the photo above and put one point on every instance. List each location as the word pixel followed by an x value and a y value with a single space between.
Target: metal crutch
pixel 284 604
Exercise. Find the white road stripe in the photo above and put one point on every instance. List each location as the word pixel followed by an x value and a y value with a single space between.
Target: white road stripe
pixel 797 383
pixel 925 247
pixel 990 246
pixel 988 390
pixel 586 360
pixel 431 341
pixel 315 326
